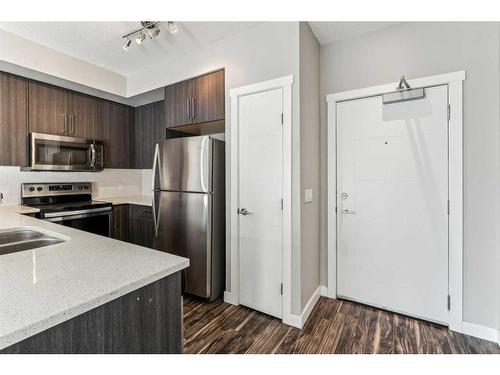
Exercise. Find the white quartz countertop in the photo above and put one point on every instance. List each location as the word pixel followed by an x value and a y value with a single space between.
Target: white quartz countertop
pixel 43 287
pixel 141 200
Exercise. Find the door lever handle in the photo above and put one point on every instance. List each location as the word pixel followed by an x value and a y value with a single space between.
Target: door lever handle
pixel 347 211
pixel 243 211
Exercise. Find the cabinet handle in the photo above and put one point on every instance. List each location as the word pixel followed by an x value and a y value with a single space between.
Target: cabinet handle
pixel 188 107
pixel 65 123
pixel 193 110
pixel 73 118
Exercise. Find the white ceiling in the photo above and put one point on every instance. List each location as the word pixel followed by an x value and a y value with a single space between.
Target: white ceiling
pixel 100 43
pixel 328 32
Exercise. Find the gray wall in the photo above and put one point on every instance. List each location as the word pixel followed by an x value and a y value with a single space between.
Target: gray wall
pixel 423 49
pixel 309 161
pixel 269 50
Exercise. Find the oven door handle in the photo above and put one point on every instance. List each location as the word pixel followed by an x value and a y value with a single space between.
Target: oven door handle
pixel 77 212
pixel 78 216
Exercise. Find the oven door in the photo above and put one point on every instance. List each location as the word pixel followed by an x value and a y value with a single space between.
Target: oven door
pixel 58 153
pixel 94 222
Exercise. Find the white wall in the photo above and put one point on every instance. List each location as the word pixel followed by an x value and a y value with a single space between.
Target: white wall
pixel 423 49
pixel 108 183
pixel 309 162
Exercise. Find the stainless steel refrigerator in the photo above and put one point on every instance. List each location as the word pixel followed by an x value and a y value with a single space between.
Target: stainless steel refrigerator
pixel 189 209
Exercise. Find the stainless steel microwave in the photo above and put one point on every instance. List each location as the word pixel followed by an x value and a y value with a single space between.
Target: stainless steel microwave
pixel 49 152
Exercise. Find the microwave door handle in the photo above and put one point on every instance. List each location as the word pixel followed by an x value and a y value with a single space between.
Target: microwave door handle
pixel 92 153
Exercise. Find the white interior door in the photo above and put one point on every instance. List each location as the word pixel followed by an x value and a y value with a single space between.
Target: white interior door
pixel 260 193
pixel 392 204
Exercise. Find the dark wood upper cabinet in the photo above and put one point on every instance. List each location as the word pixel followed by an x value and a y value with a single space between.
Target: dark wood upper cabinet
pixel 13 119
pixel 149 127
pixel 48 109
pixel 208 98
pixel 117 133
pixel 85 115
pixel 178 104
pixel 194 101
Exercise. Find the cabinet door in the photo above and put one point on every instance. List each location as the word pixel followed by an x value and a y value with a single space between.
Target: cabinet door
pixel 149 127
pixel 48 109
pixel 121 222
pixel 208 97
pixel 141 230
pixel 85 112
pixel 178 104
pixel 13 119
pixel 117 134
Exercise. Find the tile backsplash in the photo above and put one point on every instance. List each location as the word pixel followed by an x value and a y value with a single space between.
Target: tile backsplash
pixel 110 182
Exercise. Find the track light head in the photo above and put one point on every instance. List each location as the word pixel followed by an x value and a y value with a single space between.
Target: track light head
pixel 154 32
pixel 127 44
pixel 140 38
pixel 172 28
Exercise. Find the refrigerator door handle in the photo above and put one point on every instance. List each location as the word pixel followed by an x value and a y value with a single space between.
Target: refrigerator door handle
pixel 155 218
pixel 156 161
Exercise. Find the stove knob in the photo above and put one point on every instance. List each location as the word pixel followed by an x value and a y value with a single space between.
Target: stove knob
pixel 39 188
pixel 80 187
pixel 86 187
pixel 31 188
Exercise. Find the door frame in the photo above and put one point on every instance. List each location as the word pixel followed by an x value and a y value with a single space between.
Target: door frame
pixel 454 81
pixel 285 84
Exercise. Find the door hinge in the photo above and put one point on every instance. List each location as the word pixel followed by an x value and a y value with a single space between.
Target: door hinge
pixel 335 209
pixel 282 119
pixel 281 289
pixel 449 301
pixel 449 112
pixel 448 207
pixel 281 204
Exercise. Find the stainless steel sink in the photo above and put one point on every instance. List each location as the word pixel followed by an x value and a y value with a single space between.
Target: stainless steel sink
pixel 19 235
pixel 24 239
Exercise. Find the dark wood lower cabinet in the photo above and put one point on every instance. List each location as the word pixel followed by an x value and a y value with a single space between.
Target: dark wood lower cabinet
pixel 148 320
pixel 133 223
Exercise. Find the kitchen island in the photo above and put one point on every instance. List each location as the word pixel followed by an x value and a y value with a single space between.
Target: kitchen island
pixel 88 294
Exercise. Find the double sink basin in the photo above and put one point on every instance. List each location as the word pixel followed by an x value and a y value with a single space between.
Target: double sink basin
pixel 14 240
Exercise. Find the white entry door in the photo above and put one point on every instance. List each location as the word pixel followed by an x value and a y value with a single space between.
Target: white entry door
pixel 259 201
pixel 392 204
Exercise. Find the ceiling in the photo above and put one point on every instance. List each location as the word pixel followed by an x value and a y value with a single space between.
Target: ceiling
pixel 100 43
pixel 328 32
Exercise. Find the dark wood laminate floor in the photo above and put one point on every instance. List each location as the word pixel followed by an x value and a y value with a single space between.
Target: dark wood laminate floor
pixel 334 326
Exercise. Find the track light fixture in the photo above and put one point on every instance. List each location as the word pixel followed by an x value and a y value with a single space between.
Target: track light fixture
pixel 151 29
pixel 140 38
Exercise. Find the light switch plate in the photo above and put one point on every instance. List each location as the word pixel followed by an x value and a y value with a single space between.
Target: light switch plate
pixel 308 195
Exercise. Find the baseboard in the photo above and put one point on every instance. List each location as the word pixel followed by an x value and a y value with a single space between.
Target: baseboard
pixel 323 291
pixel 482 332
pixel 230 298
pixel 293 320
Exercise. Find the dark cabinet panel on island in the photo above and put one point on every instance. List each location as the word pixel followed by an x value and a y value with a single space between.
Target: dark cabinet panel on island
pixel 145 321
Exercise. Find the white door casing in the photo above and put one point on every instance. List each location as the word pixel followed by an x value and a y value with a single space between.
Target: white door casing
pixel 284 84
pixel 260 192
pixel 454 81
pixel 392 192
